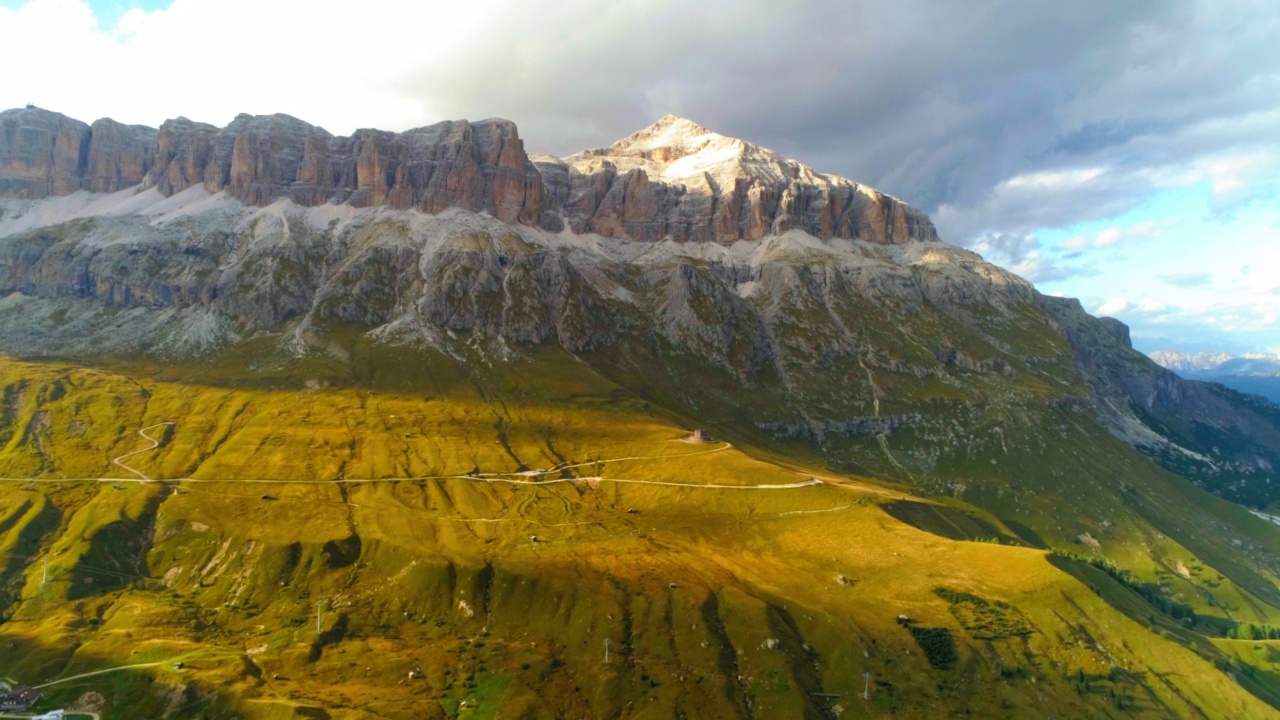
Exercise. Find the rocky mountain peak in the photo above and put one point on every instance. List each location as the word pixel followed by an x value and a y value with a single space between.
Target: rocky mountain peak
pixel 669 132
pixel 675 179
pixel 677 149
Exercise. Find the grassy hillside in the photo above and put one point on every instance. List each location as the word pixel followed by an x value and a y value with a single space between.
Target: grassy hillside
pixel 476 528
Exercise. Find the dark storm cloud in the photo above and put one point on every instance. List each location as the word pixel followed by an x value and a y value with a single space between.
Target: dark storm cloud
pixel 938 102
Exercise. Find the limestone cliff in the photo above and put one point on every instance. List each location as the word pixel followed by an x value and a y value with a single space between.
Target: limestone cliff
pixel 118 156
pixel 673 180
pixel 479 166
pixel 40 153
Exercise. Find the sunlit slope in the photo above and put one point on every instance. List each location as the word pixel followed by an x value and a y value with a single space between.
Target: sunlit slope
pixel 551 511
pixel 756 615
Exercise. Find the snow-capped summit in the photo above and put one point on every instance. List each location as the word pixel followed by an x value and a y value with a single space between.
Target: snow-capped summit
pixel 677 180
pixel 676 149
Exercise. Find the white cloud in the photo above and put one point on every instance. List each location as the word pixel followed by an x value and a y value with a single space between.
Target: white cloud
pixel 1075 243
pixel 1051 180
pixel 1107 237
pixel 209 60
pixel 1113 306
pixel 1234 178
pixel 1040 268
pixel 1113 236
pixel 1150 305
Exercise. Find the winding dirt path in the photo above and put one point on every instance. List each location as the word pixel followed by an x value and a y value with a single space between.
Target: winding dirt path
pixel 663 483
pixel 528 477
pixel 154 444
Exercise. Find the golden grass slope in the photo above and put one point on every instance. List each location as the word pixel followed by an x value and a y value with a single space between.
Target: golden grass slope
pixel 452 595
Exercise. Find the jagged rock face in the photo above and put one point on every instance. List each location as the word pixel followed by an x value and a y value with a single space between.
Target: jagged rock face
pixel 480 167
pixel 119 156
pixel 40 153
pixel 262 269
pixel 677 179
pixel 673 180
pixel 182 155
pixel 255 159
pixel 44 154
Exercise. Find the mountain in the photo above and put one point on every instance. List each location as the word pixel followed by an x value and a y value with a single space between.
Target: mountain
pixel 436 385
pixel 1252 373
pixel 1184 362
pixel 672 180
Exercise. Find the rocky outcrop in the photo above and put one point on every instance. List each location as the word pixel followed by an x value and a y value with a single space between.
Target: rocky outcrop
pixel 480 167
pixel 44 154
pixel 119 156
pixel 673 180
pixel 182 155
pixel 41 153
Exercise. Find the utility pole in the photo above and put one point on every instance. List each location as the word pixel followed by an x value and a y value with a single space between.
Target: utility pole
pixel 607 642
pixel 44 574
pixel 319 609
pixel 866 685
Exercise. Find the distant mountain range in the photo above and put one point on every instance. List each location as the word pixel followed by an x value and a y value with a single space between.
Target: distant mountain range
pixel 1254 373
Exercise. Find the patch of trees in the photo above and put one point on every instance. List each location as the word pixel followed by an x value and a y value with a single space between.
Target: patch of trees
pixel 936 642
pixel 1254 632
pixel 1153 593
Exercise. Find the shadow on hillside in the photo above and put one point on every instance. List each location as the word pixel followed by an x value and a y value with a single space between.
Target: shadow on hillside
pixel 948 522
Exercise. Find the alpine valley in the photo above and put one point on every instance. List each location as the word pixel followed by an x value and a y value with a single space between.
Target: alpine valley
pixel 400 426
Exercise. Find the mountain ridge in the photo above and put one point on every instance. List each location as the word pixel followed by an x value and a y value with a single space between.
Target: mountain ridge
pixel 1253 373
pixel 480 166
pixel 1177 361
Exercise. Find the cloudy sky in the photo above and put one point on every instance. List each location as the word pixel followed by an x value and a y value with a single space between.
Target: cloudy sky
pixel 1126 153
